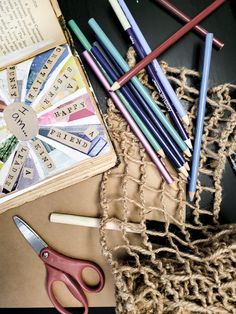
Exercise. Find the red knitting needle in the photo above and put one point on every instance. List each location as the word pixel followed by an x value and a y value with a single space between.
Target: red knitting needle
pixel 185 18
pixel 170 41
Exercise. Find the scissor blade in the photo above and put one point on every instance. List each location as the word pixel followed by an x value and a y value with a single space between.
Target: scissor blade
pixel 30 235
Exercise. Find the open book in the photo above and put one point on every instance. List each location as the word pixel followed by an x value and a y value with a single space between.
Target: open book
pixel 51 132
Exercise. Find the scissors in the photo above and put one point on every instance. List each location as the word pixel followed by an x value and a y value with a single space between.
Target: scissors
pixel 62 268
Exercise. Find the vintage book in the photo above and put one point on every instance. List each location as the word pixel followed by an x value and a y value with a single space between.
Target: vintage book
pixel 51 131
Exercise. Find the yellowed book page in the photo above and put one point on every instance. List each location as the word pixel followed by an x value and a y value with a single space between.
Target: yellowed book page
pixel 27 28
pixel 56 7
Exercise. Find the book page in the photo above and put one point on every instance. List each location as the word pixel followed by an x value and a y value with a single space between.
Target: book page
pixel 54 115
pixel 27 28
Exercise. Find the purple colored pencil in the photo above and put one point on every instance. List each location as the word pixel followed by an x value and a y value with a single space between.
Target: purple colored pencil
pixel 160 89
pixel 165 174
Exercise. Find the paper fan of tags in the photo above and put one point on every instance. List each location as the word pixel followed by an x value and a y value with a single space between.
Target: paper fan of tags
pixel 47 120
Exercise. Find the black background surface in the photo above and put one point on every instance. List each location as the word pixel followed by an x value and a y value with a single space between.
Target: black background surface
pixel 157 25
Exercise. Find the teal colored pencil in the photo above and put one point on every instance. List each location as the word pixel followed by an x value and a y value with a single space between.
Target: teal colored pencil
pixel 139 122
pixel 142 90
pixel 200 115
pixel 84 41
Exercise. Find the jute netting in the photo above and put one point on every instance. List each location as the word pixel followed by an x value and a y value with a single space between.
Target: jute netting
pixel 179 259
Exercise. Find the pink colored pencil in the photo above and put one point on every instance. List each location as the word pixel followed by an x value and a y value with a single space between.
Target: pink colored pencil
pixel 185 18
pixel 130 120
pixel 164 46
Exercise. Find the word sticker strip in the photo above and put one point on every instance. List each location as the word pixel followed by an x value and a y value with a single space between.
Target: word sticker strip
pixel 91 133
pixel 72 86
pixel 12 81
pixel 17 164
pixel 42 153
pixel 59 85
pixel 28 173
pixel 21 120
pixel 44 72
pixel 70 140
pixel 69 109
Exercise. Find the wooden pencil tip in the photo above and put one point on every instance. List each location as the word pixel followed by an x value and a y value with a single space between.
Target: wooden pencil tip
pixel 183 171
pixel 174 186
pixel 221 46
pixel 191 196
pixel 187 152
pixel 189 143
pixel 115 86
pixel 161 153
pixel 182 177
pixel 186 119
pixel 186 165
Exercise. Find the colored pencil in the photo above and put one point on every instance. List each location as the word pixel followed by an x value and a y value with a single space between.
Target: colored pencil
pixel 178 164
pixel 165 45
pixel 145 107
pixel 142 90
pixel 200 115
pixel 167 140
pixel 153 141
pixel 159 79
pixel 80 35
pixel 129 119
pixel 185 18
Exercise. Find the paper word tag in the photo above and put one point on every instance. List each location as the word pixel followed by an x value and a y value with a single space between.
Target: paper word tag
pixel 42 153
pixel 72 86
pixel 70 140
pixel 59 85
pixel 44 72
pixel 28 173
pixel 16 167
pixel 21 120
pixel 12 81
pixel 69 109
pixel 91 133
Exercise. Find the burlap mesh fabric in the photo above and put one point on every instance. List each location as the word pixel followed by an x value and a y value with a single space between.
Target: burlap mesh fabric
pixel 182 260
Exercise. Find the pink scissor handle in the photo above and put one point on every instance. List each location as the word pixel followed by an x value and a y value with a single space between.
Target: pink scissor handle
pixel 73 267
pixel 56 275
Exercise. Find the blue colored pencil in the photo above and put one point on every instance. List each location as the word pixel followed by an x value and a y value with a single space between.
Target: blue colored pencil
pixel 200 115
pixel 159 79
pixel 162 140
